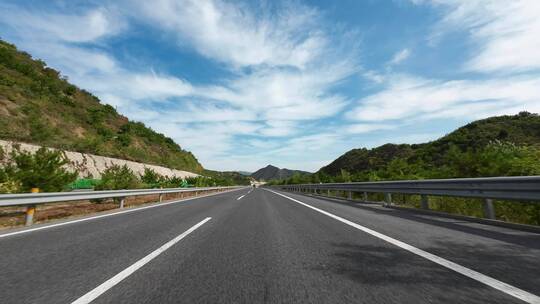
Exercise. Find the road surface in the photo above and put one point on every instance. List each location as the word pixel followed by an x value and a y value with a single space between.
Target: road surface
pixel 258 246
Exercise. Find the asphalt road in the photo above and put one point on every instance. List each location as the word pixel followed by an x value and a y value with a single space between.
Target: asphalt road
pixel 267 248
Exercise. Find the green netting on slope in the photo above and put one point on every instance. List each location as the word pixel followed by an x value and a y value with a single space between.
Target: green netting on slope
pixel 84 183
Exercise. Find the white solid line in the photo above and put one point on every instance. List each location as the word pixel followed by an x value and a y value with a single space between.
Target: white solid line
pixel 506 288
pixel 240 197
pixel 104 215
pixel 96 292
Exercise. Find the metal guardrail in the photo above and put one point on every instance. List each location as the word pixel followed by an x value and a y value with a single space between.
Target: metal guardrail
pixel 522 188
pixel 32 199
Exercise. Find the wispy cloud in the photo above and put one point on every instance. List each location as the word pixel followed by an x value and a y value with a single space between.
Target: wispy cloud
pixel 506 32
pixel 89 26
pixel 407 97
pixel 504 39
pixel 400 56
pixel 360 128
pixel 233 34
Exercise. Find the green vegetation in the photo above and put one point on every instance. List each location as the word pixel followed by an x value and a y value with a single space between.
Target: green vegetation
pixel 118 178
pixel 497 146
pixel 44 169
pixel 20 171
pixel 274 173
pixel 227 178
pixel 39 106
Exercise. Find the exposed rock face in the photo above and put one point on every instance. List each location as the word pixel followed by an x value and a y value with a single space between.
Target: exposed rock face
pixel 90 165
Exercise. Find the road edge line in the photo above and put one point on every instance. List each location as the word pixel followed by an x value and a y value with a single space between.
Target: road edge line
pixel 477 276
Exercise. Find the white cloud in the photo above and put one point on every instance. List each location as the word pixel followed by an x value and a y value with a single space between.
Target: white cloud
pixel 87 27
pixel 205 112
pixel 210 142
pixel 133 86
pixel 292 67
pixel 400 56
pixel 505 39
pixel 506 32
pixel 285 94
pixel 278 128
pixel 231 33
pixel 367 128
pixel 412 97
pixel 306 144
pixel 374 76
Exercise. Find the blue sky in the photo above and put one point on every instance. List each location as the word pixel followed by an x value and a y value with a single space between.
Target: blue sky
pixel 243 84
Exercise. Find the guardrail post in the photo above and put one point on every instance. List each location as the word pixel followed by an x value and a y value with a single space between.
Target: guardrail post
pixel 161 197
pixel 489 210
pixel 388 199
pixel 364 197
pixel 29 217
pixel 30 211
pixel 122 201
pixel 349 196
pixel 328 192
pixel 424 201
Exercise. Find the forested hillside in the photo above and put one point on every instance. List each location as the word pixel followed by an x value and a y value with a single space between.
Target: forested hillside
pixel 503 145
pixel 38 105
pixel 274 173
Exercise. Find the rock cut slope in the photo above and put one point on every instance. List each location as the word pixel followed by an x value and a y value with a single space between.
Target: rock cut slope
pixel 90 165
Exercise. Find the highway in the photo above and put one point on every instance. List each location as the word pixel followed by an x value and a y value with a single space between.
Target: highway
pixel 260 246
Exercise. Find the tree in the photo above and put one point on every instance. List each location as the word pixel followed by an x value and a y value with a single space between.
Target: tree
pixel 118 178
pixel 495 159
pixel 44 169
pixel 151 177
pixel 345 176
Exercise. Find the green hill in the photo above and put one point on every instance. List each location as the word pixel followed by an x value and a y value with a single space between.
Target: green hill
pixel 518 136
pixel 39 106
pixel 496 146
pixel 274 173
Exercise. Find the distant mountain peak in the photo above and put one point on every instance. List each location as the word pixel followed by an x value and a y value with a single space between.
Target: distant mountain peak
pixel 271 172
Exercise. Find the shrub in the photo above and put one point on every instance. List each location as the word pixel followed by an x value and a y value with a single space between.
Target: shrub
pixel 10 187
pixel 175 182
pixel 43 169
pixel 118 178
pixel 152 178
